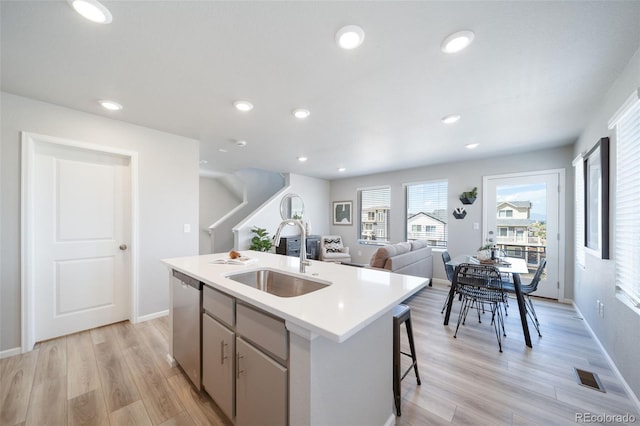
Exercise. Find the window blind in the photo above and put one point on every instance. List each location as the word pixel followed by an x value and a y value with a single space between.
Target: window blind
pixel 427 206
pixel 578 170
pixel 627 202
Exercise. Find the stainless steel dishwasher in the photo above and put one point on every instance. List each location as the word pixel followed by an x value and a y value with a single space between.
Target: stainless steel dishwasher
pixel 187 318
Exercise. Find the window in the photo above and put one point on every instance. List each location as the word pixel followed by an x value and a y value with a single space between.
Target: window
pixel 427 209
pixel 578 165
pixel 627 202
pixel 374 206
pixel 505 213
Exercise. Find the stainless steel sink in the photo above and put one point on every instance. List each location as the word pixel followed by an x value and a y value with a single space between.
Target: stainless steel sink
pixel 278 283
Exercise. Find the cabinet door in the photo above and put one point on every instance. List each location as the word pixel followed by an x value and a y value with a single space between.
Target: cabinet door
pixel 218 362
pixel 261 388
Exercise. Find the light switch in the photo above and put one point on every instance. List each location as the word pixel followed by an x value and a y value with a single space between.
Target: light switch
pixel 476 226
pixel 187 228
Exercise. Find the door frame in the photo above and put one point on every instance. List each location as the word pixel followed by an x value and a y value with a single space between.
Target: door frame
pixel 27 291
pixel 562 236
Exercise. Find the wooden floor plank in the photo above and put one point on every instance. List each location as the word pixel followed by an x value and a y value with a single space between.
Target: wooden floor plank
pixel 88 409
pixel 52 361
pixel 200 407
pixel 182 419
pixel 82 376
pixel 48 403
pixel 16 384
pixel 133 414
pixel 159 400
pixel 118 386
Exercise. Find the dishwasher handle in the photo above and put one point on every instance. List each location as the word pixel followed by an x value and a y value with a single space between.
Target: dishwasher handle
pixel 188 280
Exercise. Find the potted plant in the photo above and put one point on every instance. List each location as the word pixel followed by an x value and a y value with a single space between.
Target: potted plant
pixel 261 240
pixel 469 197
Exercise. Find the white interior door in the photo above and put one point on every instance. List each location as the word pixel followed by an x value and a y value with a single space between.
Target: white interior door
pixel 524 211
pixel 81 231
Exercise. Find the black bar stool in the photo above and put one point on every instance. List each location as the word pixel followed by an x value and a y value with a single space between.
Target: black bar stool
pixel 402 314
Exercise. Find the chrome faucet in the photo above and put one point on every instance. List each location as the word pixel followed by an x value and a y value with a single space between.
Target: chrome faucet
pixel 303 240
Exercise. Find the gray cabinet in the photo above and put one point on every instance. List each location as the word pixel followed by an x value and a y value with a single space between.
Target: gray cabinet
pixel 244 357
pixel 218 350
pixel 261 388
pixel 289 246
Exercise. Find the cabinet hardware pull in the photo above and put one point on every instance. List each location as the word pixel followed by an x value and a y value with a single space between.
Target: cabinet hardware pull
pixel 222 357
pixel 238 370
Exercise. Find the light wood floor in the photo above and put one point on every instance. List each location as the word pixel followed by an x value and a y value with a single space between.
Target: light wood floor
pixel 118 375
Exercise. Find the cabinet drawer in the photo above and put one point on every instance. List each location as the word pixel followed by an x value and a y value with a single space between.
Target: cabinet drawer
pixel 219 305
pixel 264 330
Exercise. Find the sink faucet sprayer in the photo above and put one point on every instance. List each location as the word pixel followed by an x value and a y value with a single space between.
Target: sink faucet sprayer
pixel 303 240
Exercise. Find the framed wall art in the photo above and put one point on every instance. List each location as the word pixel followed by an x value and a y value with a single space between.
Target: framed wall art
pixel 596 198
pixel 343 212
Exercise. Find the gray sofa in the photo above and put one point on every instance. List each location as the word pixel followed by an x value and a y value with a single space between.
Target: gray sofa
pixel 411 258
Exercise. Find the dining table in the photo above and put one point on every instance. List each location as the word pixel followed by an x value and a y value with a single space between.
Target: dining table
pixel 506 265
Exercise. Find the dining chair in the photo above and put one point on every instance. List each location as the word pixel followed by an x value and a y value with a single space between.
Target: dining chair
pixel 446 257
pixel 480 285
pixel 526 290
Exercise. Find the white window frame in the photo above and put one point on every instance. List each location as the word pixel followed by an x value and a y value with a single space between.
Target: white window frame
pixel 377 232
pixel 407 231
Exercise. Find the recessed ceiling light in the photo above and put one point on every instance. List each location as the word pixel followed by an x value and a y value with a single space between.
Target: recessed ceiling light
pixel 243 106
pixel 457 41
pixel 241 143
pixel 301 113
pixel 450 119
pixel 92 10
pixel 110 105
pixel 471 145
pixel 350 37
pixel 222 150
pixel 342 169
pixel 302 159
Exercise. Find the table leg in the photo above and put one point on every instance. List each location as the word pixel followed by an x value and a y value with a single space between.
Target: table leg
pixel 452 294
pixel 522 308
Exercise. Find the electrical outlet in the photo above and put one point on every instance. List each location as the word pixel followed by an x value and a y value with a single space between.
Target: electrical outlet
pixel 187 228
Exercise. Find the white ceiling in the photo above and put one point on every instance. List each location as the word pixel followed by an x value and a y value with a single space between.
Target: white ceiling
pixel 532 78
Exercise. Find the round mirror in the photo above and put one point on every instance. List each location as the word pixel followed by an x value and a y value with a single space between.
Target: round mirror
pixel 291 207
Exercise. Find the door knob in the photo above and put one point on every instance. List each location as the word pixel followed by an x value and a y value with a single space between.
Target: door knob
pixel 123 247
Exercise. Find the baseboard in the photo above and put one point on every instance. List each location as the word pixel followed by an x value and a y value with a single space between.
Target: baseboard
pixel 10 352
pixel 391 420
pixel 626 386
pixel 439 282
pixel 153 316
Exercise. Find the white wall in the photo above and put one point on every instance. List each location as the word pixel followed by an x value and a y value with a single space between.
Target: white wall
pixel 216 200
pixel 168 199
pixel 619 330
pixel 314 193
pixel 462 176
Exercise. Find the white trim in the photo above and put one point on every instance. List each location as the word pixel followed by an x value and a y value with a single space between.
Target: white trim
pixel 632 396
pixel 626 106
pixel 153 316
pixel 391 420
pixel 10 352
pixel 26 236
pixel 561 215
pixel 261 208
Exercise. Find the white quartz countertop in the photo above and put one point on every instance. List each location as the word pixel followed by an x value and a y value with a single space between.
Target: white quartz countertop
pixel 355 298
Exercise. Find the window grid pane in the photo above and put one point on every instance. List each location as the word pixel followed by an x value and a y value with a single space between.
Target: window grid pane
pixel 427 212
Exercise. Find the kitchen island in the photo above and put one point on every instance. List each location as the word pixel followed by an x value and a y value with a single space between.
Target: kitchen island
pixel 339 360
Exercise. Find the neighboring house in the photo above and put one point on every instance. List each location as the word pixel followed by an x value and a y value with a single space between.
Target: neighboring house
pixel 427 226
pixel 517 233
pixel 375 223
